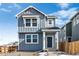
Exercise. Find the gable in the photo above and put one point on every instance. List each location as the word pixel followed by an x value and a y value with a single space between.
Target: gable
pixel 75 15
pixel 31 11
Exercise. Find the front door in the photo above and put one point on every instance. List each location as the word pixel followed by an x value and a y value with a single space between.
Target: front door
pixel 49 42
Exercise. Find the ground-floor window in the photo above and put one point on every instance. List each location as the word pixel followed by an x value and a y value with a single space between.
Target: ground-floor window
pixel 69 39
pixel 31 38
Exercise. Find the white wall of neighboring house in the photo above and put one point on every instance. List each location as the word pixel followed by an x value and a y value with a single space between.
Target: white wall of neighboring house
pixel 63 34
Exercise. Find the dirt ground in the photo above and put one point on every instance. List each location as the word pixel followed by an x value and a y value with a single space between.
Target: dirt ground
pixel 19 54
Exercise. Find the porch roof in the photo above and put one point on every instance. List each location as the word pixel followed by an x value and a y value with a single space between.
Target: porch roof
pixel 51 29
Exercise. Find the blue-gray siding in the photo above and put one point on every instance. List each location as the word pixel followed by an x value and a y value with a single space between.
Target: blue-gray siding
pixel 75 32
pixel 25 47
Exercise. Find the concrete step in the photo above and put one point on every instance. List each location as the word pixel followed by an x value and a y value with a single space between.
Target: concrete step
pixel 51 49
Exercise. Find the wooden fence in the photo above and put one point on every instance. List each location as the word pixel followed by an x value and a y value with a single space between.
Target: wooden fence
pixel 69 47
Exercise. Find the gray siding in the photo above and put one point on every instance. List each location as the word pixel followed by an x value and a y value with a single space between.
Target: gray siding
pixel 69 29
pixel 20 22
pixel 75 32
pixel 31 47
pixel 75 27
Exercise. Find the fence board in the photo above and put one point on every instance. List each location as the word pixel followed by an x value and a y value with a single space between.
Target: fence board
pixel 69 47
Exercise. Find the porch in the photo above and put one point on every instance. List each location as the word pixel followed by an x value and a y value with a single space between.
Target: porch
pixel 51 38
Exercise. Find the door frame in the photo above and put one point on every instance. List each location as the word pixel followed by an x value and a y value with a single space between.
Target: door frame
pixel 46 40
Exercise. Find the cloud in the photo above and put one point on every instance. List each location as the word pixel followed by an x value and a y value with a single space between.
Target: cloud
pixel 0 4
pixel 64 5
pixel 17 6
pixel 4 10
pixel 14 5
pixel 64 16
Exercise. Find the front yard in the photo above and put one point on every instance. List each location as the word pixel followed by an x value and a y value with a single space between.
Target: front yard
pixel 19 54
pixel 52 53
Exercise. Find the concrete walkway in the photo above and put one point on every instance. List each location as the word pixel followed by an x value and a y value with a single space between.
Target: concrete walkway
pixel 56 53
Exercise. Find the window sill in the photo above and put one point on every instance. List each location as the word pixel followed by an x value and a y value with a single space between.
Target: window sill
pixel 31 26
pixel 31 43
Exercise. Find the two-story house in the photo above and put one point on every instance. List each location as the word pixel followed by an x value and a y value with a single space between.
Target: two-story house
pixel 75 26
pixel 66 32
pixel 36 30
pixel 70 31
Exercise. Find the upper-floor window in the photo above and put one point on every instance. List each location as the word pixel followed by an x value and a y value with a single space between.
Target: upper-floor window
pixel 50 21
pixel 28 22
pixel 34 22
pixel 31 22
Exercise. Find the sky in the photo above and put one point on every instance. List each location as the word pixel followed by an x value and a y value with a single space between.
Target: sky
pixel 8 21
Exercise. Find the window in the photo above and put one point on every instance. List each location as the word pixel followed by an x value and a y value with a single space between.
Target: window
pixel 50 21
pixel 28 38
pixel 34 22
pixel 31 38
pixel 28 22
pixel 34 38
pixel 31 22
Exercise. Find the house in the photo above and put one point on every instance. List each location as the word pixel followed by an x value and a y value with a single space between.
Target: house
pixel 36 30
pixel 10 47
pixel 69 32
pixel 66 32
pixel 75 26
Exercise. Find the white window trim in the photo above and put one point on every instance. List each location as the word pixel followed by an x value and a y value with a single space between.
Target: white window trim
pixel 31 39
pixel 31 22
pixel 49 22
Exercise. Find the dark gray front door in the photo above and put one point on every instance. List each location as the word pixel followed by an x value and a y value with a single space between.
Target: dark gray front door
pixel 49 42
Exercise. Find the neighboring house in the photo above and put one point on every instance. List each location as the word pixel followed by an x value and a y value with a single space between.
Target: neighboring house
pixel 10 47
pixel 66 32
pixel 36 30
pixel 75 26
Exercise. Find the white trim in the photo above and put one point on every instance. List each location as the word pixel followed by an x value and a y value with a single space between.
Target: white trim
pixel 44 41
pixel 50 30
pixel 28 8
pixel 32 39
pixel 30 16
pixel 51 17
pixel 57 41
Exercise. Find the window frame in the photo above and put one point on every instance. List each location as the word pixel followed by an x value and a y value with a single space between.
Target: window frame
pixel 27 22
pixel 31 39
pixel 28 38
pixel 34 38
pixel 31 24
pixel 49 21
pixel 34 22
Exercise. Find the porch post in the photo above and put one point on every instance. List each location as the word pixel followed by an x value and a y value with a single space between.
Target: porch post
pixel 43 40
pixel 57 41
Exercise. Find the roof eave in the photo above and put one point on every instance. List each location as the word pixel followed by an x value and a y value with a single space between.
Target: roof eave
pixel 28 8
